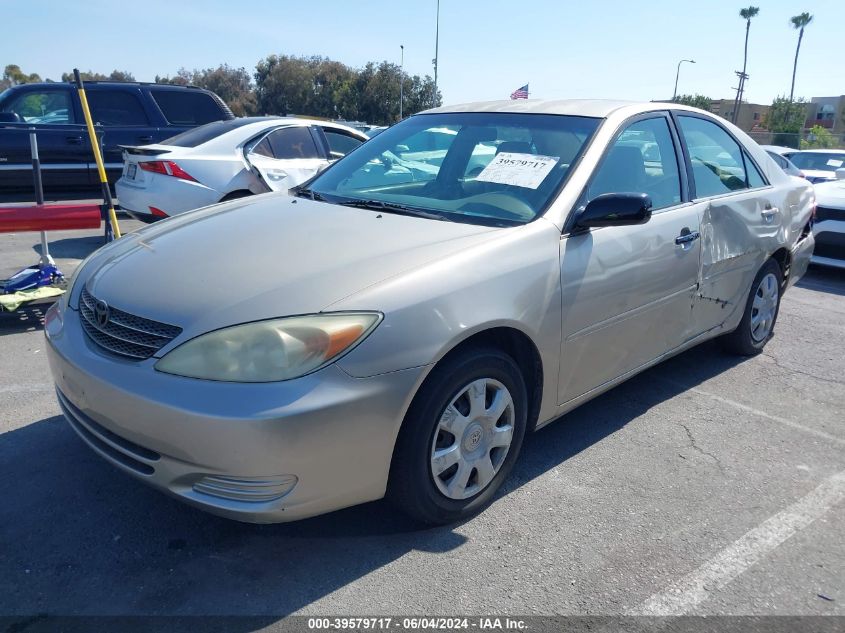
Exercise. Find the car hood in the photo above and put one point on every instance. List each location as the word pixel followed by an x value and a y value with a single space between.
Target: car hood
pixel 831 194
pixel 266 257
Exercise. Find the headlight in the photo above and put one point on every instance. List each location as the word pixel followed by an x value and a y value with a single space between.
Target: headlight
pixel 269 351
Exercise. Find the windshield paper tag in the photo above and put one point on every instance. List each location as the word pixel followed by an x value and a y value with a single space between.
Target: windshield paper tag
pixel 835 163
pixel 519 170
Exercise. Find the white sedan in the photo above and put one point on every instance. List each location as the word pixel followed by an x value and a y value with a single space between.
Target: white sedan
pixel 228 159
pixel 829 228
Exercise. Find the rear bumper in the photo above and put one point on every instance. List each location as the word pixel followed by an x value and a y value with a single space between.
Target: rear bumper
pixel 171 195
pixel 253 452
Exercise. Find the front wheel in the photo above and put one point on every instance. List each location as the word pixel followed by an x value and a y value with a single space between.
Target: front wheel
pixel 460 438
pixel 761 311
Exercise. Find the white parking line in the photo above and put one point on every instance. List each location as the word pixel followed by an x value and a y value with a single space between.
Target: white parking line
pixel 694 588
pixel 762 414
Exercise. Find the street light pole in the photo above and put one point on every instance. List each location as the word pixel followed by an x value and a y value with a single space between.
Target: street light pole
pixel 436 49
pixel 677 74
pixel 401 80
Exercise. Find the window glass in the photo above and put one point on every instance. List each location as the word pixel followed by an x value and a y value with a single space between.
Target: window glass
pixel 641 160
pixel 499 169
pixel 823 161
pixel 187 107
pixel 717 164
pixel 116 107
pixel 293 142
pixel 755 178
pixel 340 143
pixel 48 106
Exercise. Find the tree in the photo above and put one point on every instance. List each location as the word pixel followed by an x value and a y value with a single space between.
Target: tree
pixel 13 75
pixel 696 101
pixel 746 14
pixel 90 75
pixel 786 119
pixel 798 22
pixel 233 85
pixel 819 138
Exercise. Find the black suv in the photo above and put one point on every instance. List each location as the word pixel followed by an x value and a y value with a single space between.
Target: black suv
pixel 124 114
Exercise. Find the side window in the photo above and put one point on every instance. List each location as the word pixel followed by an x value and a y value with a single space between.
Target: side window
pixel 293 142
pixel 116 107
pixel 48 106
pixel 187 107
pixel 641 160
pixel 755 178
pixel 340 144
pixel 717 163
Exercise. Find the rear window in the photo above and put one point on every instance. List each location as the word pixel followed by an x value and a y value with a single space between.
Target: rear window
pixel 204 133
pixel 116 107
pixel 187 107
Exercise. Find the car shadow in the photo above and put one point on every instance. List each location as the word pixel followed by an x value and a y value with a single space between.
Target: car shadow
pixel 824 279
pixel 72 247
pixel 24 319
pixel 82 538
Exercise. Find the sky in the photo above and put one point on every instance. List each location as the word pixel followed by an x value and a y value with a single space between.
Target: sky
pixel 615 49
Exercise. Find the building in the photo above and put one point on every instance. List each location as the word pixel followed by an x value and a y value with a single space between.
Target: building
pixel 751 115
pixel 829 113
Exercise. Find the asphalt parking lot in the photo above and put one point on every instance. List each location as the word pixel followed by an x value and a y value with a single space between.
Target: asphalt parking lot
pixel 706 485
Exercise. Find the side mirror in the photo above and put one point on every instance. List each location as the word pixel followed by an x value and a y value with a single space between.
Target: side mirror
pixel 615 209
pixel 840 173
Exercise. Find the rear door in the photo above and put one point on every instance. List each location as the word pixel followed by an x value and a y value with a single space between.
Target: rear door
pixel 62 141
pixel 286 157
pixel 741 216
pixel 627 291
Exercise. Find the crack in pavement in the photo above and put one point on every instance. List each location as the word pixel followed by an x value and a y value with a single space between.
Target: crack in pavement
pixel 777 363
pixel 693 445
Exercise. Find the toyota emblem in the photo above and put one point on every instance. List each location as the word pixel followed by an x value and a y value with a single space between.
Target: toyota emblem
pixel 101 313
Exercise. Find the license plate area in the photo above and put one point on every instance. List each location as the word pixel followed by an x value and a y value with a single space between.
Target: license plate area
pixel 131 171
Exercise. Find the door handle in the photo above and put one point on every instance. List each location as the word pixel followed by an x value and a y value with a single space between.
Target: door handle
pixel 769 212
pixel 687 236
pixel 74 140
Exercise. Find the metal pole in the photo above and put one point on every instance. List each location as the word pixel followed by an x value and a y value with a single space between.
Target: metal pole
pixel 401 80
pixel 436 49
pixel 677 74
pixel 101 170
pixel 46 260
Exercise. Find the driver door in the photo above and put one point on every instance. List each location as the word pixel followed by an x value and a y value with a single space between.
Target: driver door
pixel 286 157
pixel 628 290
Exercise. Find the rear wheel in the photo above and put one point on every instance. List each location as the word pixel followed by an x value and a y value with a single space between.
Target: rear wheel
pixel 761 311
pixel 460 438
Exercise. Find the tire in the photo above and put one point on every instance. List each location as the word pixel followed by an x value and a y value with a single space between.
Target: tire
pixel 752 334
pixel 477 445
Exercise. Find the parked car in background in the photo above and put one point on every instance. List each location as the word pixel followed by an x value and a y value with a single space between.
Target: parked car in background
pixel 375 130
pixel 374 335
pixel 125 114
pixel 829 228
pixel 818 165
pixel 785 164
pixel 226 160
pixel 779 149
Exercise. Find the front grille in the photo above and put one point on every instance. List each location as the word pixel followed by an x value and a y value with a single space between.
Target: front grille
pixel 825 213
pixel 831 245
pixel 123 333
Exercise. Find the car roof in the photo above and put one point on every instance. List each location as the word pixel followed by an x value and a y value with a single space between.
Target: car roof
pixel 600 108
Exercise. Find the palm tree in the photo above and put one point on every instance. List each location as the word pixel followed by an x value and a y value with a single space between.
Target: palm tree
pixel 746 14
pixel 798 22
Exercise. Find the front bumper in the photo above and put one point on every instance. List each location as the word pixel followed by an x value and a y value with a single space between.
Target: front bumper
pixel 261 453
pixel 830 243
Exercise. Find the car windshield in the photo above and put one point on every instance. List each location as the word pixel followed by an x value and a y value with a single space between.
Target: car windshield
pixel 822 161
pixel 488 168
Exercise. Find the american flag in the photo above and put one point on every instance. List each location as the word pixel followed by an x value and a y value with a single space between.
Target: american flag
pixel 520 93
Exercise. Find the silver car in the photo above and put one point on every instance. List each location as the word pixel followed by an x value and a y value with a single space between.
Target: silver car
pixel 391 331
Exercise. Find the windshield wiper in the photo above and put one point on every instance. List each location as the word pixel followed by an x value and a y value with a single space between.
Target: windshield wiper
pixel 393 207
pixel 308 193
